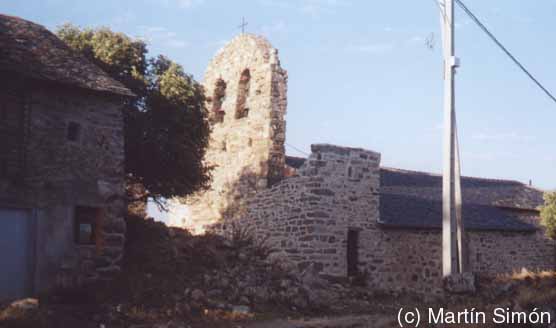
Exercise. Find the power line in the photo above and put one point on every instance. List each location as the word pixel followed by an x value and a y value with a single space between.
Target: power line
pixel 297 149
pixel 501 46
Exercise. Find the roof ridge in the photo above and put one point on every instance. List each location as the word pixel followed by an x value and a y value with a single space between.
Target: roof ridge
pixel 393 169
pixel 299 157
pixel 33 50
pixel 23 20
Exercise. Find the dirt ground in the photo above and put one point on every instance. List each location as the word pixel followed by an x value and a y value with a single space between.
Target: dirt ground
pixel 350 321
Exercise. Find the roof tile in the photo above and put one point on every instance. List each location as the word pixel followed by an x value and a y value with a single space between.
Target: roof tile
pixel 414 200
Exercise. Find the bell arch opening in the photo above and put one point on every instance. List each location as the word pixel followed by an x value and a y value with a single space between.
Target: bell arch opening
pixel 242 93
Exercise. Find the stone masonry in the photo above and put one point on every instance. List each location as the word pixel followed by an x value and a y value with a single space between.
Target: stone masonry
pixel 65 174
pixel 246 90
pixel 309 214
pixel 61 175
pixel 307 219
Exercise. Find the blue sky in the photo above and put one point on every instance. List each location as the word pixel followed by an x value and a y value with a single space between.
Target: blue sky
pixel 360 73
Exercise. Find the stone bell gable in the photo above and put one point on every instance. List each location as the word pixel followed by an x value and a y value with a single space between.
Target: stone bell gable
pixel 246 97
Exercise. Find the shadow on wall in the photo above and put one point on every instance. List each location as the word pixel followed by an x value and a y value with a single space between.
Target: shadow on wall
pixel 234 201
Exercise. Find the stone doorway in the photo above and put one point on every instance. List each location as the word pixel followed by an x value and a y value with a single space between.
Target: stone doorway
pixel 352 252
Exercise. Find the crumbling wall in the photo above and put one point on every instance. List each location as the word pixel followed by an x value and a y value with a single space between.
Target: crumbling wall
pixel 246 90
pixel 307 217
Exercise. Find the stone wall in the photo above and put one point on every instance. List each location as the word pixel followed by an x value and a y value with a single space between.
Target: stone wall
pixel 61 174
pixel 307 218
pixel 246 145
pixel 411 260
pixel 307 215
pixel 86 172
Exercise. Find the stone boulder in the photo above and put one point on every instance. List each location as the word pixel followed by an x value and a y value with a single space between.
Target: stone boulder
pixel 460 283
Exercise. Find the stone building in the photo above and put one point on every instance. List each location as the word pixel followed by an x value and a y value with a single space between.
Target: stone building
pixel 246 89
pixel 346 215
pixel 338 210
pixel 61 164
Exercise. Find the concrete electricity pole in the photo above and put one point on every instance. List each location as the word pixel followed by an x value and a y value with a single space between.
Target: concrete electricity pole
pixel 454 259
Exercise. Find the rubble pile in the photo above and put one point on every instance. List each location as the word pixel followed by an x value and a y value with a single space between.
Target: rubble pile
pixel 171 276
pixel 169 273
pixel 168 266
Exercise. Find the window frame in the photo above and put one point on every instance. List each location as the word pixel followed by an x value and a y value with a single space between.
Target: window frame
pixel 87 215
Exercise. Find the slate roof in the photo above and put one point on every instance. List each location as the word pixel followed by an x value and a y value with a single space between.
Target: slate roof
pixel 411 199
pixel 295 162
pixel 33 51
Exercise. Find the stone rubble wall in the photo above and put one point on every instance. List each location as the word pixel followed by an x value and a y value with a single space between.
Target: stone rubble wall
pixel 307 217
pixel 247 153
pixel 411 260
pixel 88 172
pixel 62 174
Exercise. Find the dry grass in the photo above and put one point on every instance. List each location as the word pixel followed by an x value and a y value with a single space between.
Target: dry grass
pixel 527 275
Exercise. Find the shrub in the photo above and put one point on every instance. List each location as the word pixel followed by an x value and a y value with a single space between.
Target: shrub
pixel 548 214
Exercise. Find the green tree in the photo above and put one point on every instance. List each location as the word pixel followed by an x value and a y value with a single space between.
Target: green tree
pixel 548 214
pixel 166 125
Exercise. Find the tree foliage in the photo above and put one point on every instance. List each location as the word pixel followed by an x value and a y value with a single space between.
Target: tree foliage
pixel 548 214
pixel 166 126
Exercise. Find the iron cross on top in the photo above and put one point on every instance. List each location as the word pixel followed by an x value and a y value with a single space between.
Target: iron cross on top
pixel 243 24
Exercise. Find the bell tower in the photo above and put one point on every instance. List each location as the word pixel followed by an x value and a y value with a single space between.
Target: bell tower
pixel 246 97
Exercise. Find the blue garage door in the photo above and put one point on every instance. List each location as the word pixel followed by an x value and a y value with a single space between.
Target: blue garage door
pixel 15 253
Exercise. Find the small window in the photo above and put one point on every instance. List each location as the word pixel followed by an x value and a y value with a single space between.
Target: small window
pixel 86 225
pixel 74 131
pixel 219 95
pixel 217 100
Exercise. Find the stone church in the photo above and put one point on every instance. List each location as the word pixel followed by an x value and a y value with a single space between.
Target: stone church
pixel 339 210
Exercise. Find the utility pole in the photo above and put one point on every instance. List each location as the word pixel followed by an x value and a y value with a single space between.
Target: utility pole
pixel 463 258
pixel 454 258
